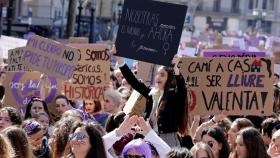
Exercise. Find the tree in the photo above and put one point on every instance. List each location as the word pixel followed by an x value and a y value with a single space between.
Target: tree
pixel 71 18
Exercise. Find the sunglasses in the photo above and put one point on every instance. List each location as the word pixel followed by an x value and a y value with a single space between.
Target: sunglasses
pixel 77 136
pixel 134 156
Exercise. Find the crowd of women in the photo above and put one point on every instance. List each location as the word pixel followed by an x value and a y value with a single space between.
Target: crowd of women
pixel 165 130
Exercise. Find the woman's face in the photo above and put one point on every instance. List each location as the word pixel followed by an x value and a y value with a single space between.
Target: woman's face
pixel 240 148
pixel 36 108
pixel 201 154
pixel 36 139
pixel 5 120
pixel 79 141
pixel 232 133
pixel 61 105
pixel 161 78
pixel 44 121
pixel 134 152
pixel 215 145
pixel 89 106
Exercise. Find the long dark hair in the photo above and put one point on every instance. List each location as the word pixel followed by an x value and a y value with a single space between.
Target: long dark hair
pixel 97 106
pixel 95 139
pixel 253 142
pixel 218 134
pixel 29 105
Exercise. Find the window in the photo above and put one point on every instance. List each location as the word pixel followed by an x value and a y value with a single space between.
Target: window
pixel 251 4
pixel 266 26
pixel 271 5
pixel 235 6
pixel 217 5
pixel 264 5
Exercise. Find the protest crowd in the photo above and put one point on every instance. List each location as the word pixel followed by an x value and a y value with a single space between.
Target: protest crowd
pixel 218 96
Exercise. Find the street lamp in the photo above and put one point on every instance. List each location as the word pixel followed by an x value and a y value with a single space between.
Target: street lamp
pixel 259 15
pixel 92 22
pixel 80 8
pixel 120 5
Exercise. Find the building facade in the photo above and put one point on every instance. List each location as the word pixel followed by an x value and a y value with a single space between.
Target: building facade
pixel 235 15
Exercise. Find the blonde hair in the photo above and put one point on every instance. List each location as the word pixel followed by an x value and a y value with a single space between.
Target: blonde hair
pixel 202 146
pixel 275 135
pixel 6 150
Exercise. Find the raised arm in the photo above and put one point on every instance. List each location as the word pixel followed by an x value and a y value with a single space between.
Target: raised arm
pixel 130 77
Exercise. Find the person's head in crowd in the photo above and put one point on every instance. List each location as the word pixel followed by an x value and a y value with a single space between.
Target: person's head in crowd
pixel 113 81
pixel 136 147
pixel 35 134
pixel 9 116
pixel 274 146
pixel 114 121
pixel 267 128
pixel 126 84
pixel 164 78
pixel 154 151
pixel 44 120
pixel 35 106
pixel 235 127
pixel 62 104
pixel 215 138
pixel 202 150
pixel 2 76
pixel 92 106
pixel 112 100
pixel 19 142
pixel 119 76
pixel 276 78
pixel 61 135
pixel 249 144
pixel 125 94
pixel 6 150
pixel 179 153
pixel 224 125
pixel 86 141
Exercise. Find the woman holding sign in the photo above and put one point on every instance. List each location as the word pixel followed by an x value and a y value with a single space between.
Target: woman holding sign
pixel 165 102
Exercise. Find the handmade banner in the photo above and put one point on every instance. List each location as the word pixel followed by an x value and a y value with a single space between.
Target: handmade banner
pixel 79 40
pixel 21 86
pixel 15 60
pixel 50 57
pixel 227 53
pixel 91 74
pixel 146 72
pixel 239 86
pixel 148 32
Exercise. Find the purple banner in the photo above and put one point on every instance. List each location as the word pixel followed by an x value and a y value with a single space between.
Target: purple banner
pixel 233 54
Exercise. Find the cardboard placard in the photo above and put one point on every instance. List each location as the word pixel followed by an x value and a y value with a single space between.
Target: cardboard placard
pixel 15 60
pixel 239 86
pixel 50 57
pixel 146 72
pixel 91 74
pixel 21 86
pixel 227 53
pixel 148 32
pixel 79 40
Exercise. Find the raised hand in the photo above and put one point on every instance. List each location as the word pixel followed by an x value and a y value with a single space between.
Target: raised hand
pixel 127 125
pixel 175 62
pixel 144 126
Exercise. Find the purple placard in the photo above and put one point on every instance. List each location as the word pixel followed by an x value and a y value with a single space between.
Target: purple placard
pixel 233 54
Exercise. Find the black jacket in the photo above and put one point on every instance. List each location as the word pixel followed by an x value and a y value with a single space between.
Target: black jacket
pixel 171 113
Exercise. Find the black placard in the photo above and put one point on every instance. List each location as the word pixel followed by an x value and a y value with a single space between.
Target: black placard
pixel 150 31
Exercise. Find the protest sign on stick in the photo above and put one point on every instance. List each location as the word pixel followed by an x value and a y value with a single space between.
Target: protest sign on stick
pixel 239 86
pixel 91 74
pixel 50 57
pixel 148 32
